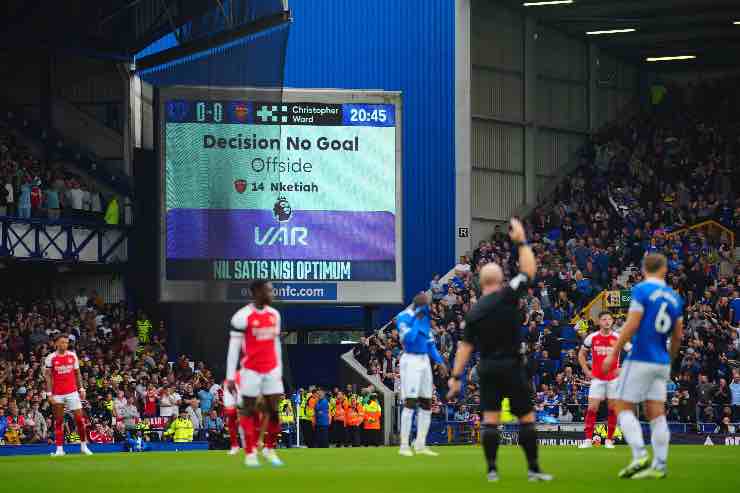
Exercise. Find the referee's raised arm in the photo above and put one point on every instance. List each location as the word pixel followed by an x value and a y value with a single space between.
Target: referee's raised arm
pixel 527 262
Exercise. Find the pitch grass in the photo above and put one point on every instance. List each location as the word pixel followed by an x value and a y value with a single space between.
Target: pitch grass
pixel 458 469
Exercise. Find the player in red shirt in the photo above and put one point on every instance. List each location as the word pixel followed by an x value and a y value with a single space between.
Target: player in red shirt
pixel 255 336
pixel 64 388
pixel 603 384
pixel 231 403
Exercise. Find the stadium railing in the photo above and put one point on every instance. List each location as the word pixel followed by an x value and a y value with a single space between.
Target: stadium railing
pixel 64 240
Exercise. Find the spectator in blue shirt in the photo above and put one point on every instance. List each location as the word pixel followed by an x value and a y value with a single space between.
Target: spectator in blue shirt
pixel 24 201
pixel 436 287
pixel 52 204
pixel 734 392
pixel 4 423
pixel 322 421
pixel 735 308
pixel 206 400
pixel 213 423
pixel 552 403
pixel 581 252
pixel 583 285
pixel 458 283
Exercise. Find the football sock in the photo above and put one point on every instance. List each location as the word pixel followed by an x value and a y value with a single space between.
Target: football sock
pixel 81 429
pixel 407 417
pixel 272 432
pixel 528 442
pixel 632 433
pixel 590 422
pixel 58 431
pixel 232 426
pixel 660 438
pixel 490 438
pixel 611 425
pixel 423 420
pixel 250 433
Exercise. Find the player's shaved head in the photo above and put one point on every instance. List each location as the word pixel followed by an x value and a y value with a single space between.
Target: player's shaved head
pixel 491 278
pixel 421 299
pixel 655 263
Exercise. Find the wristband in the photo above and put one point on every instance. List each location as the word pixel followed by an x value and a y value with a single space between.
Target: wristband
pixel 520 243
pixel 455 377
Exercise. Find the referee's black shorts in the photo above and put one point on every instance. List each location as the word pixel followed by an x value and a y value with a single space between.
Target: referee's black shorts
pixel 506 377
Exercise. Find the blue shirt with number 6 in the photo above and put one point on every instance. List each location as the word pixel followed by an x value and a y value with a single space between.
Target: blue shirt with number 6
pixel 661 308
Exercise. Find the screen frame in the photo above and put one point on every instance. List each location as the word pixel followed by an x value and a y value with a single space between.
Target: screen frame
pixel 350 293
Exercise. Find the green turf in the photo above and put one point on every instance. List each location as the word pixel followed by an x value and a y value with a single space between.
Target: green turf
pixel 458 469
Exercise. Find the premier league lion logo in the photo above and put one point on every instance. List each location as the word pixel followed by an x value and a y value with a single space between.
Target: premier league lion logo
pixel 282 210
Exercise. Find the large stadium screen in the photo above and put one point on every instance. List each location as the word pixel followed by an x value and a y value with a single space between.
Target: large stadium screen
pixel 304 191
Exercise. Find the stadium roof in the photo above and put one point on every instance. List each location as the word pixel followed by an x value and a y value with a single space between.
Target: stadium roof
pixel 663 27
pixel 117 29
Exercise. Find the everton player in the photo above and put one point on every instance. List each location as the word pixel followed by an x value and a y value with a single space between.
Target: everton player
pixel 655 317
pixel 255 336
pixel 419 351
pixel 64 388
pixel 603 383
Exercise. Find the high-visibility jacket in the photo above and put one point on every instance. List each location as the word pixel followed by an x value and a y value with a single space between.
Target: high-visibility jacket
pixel 340 411
pixel 111 212
pixel 332 406
pixel 181 430
pixel 302 407
pixel 372 415
pixel 144 327
pixel 311 408
pixel 354 415
pixel 286 412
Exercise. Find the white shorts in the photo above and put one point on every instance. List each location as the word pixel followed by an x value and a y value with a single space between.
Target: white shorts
pixel 603 389
pixel 253 384
pixel 641 381
pixel 230 399
pixel 71 401
pixel 416 376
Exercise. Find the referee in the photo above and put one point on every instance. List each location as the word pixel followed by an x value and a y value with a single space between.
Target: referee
pixel 493 327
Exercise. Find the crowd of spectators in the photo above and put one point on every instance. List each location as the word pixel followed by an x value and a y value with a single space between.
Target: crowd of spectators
pixel 31 189
pixel 124 367
pixel 637 183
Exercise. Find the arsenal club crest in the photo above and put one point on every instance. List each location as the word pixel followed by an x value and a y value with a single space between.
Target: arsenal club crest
pixel 240 185
pixel 240 111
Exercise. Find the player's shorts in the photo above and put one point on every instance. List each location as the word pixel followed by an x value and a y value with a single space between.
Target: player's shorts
pixel 641 381
pixel 603 389
pixel 502 378
pixel 416 376
pixel 71 401
pixel 254 384
pixel 231 400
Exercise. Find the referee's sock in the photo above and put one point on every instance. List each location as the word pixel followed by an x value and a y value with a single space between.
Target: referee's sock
pixel 490 438
pixel 528 442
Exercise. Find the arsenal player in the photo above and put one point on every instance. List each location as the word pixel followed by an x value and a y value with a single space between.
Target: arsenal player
pixel 64 387
pixel 231 401
pixel 603 383
pixel 255 336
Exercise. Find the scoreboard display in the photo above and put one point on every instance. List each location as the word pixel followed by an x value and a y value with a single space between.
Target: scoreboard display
pixel 304 191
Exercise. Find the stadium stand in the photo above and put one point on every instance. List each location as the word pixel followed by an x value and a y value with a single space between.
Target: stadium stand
pixel 658 182
pixel 31 189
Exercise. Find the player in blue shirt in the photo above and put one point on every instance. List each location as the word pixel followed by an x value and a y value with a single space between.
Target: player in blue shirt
pixel 655 315
pixel 415 329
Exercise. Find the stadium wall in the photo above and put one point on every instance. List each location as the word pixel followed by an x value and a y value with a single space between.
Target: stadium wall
pixel 536 94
